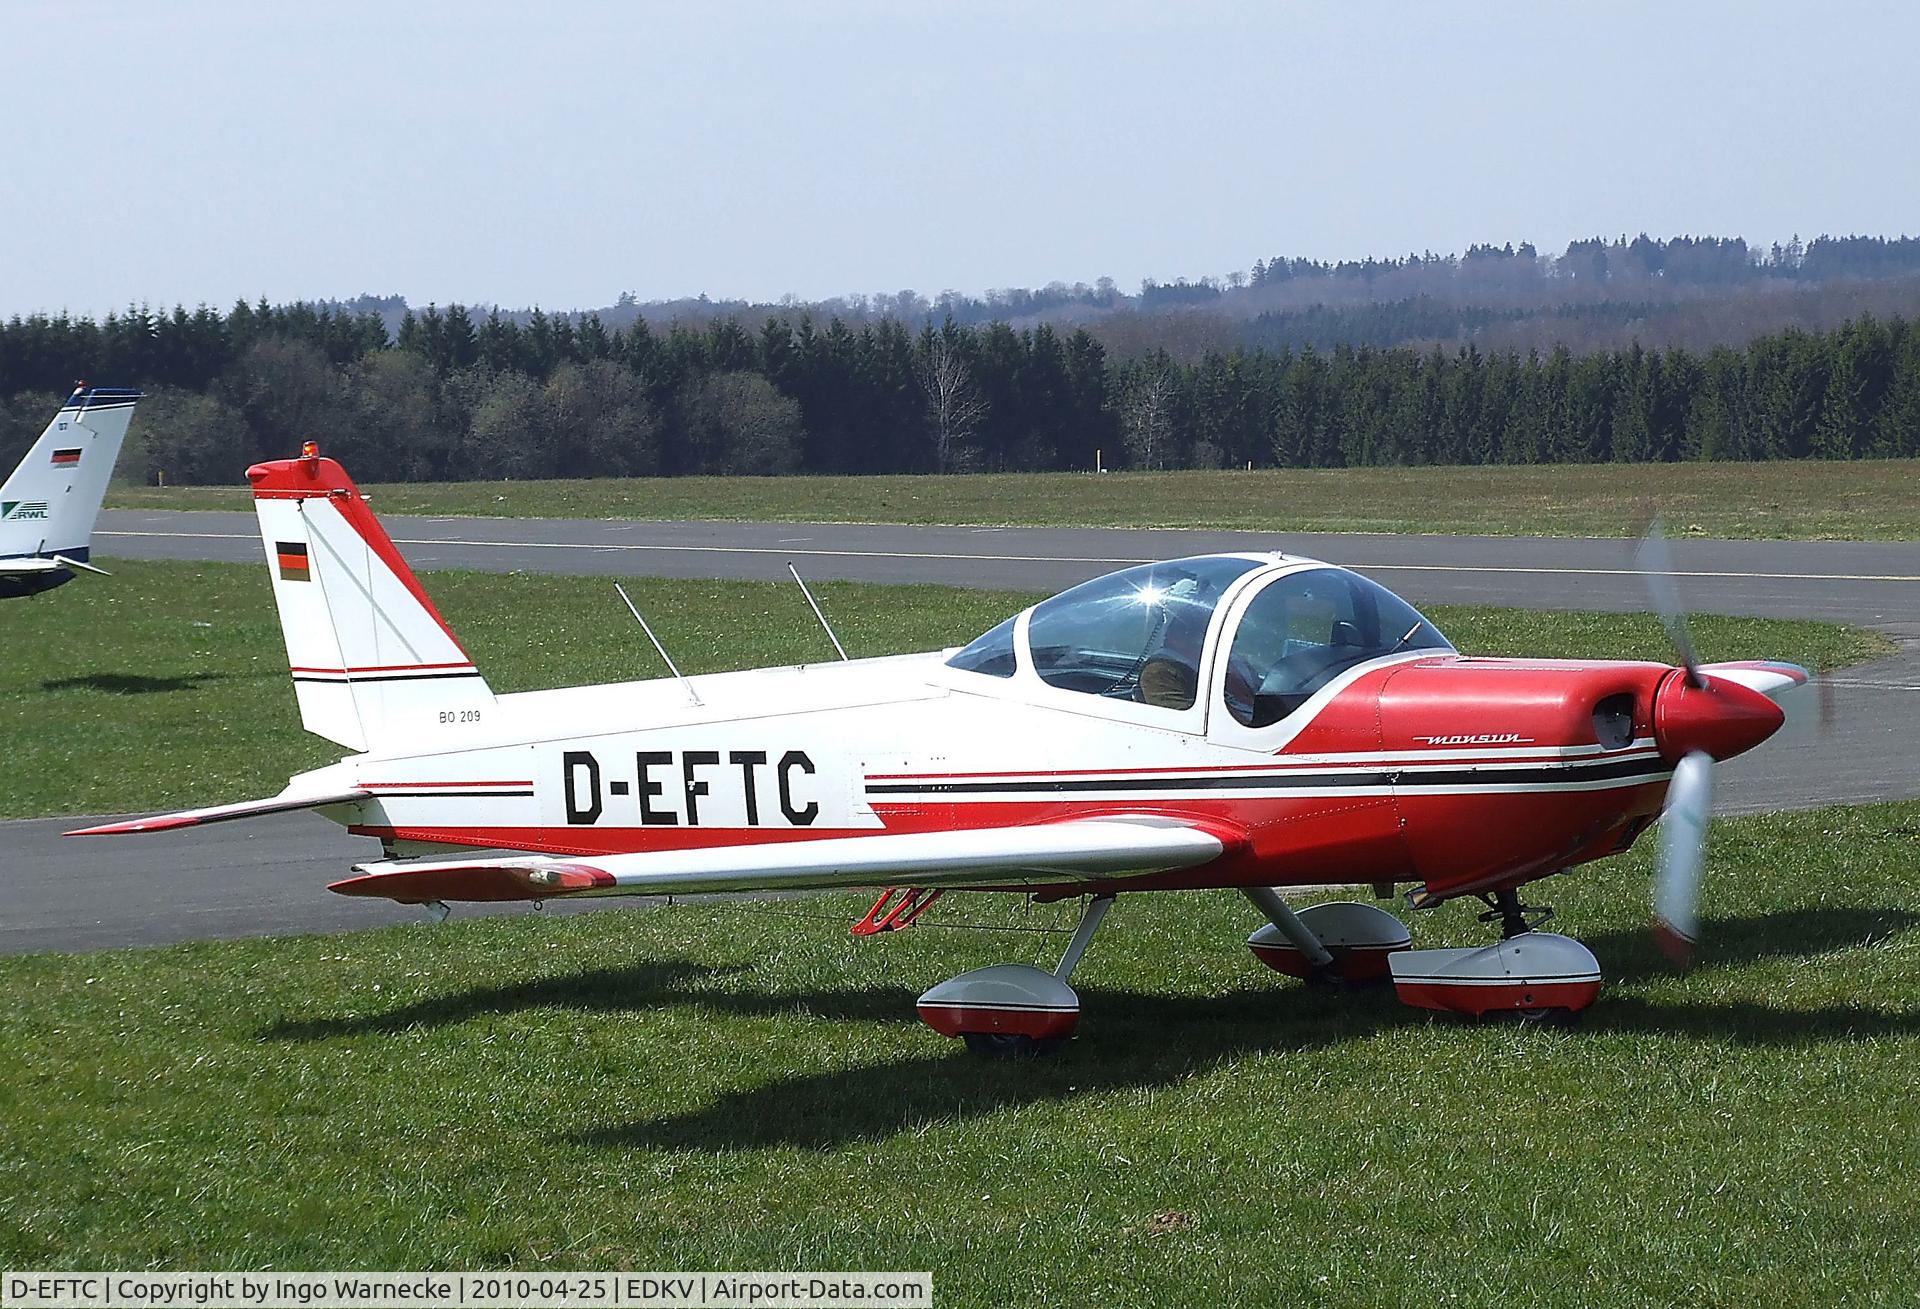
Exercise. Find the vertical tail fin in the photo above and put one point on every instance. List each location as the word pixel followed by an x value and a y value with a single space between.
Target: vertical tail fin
pixel 49 503
pixel 373 662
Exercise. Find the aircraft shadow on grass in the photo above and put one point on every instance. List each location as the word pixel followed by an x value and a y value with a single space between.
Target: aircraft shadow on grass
pixel 1631 956
pixel 1129 1039
pixel 129 683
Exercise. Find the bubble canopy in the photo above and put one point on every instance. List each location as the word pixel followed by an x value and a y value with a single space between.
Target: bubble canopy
pixel 1140 635
pixel 1305 628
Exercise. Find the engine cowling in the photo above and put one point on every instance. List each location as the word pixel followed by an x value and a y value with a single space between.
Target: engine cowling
pixel 1508 769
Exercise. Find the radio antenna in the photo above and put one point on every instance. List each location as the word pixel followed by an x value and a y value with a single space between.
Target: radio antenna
pixel 692 694
pixel 842 650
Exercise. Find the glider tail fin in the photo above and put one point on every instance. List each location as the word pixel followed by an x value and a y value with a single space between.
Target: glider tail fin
pixel 49 503
pixel 373 662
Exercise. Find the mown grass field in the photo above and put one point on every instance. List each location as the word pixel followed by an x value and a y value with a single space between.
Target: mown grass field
pixel 745 1086
pixel 166 685
pixel 1870 500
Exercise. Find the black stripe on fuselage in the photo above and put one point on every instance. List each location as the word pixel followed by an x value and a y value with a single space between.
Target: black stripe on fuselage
pixel 346 679
pixel 1608 770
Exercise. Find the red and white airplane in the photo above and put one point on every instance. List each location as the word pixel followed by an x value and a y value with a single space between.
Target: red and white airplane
pixel 1245 721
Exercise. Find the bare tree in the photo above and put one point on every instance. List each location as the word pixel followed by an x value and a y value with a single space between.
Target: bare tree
pixel 954 405
pixel 1148 421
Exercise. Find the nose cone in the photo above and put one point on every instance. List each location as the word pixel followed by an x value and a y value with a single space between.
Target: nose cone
pixel 1720 717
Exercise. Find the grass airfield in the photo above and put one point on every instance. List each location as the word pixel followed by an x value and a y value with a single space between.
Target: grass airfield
pixel 1854 500
pixel 746 1086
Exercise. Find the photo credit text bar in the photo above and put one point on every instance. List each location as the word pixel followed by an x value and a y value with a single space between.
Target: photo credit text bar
pixel 709 1290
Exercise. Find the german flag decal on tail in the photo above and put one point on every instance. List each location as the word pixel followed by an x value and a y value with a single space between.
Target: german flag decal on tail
pixel 67 458
pixel 292 558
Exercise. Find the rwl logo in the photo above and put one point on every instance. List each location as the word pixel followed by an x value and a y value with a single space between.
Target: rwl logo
pixel 14 511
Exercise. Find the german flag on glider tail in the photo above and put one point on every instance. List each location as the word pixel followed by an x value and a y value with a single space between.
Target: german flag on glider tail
pixel 292 558
pixel 66 458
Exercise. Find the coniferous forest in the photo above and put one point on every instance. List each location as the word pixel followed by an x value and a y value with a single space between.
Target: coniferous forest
pixel 454 395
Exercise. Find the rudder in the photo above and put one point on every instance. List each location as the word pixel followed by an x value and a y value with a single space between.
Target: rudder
pixel 372 660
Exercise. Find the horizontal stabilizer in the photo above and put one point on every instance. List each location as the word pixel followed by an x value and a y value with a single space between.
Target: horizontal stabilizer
pixel 1058 852
pixel 29 566
pixel 223 813
pixel 81 564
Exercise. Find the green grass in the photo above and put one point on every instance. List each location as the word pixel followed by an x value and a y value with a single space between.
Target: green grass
pixel 166 685
pixel 745 1086
pixel 1870 500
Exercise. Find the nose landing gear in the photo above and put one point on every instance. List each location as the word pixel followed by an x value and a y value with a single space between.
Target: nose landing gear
pixel 1538 977
pixel 1535 976
pixel 1504 908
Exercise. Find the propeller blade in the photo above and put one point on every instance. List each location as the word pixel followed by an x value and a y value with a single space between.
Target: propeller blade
pixel 1654 559
pixel 1683 839
pixel 1808 709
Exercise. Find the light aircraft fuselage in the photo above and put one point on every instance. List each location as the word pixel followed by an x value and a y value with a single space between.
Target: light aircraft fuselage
pixel 1246 721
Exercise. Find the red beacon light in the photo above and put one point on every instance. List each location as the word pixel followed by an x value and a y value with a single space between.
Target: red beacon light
pixel 309 449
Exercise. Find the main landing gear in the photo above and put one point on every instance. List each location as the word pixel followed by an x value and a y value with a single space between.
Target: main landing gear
pixel 1330 944
pixel 1536 976
pixel 1014 1009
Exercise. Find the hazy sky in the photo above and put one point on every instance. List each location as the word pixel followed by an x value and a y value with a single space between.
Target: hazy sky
pixel 561 153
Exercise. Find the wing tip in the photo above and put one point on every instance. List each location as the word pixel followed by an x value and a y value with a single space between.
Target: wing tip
pixel 476 881
pixel 158 823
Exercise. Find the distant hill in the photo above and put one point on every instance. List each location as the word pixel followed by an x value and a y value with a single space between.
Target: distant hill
pixel 1696 292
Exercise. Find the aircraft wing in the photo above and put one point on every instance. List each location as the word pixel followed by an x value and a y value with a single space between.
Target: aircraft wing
pixel 1071 851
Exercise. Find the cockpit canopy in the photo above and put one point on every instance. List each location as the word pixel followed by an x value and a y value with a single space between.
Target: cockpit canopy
pixel 1134 635
pixel 1141 635
pixel 1304 629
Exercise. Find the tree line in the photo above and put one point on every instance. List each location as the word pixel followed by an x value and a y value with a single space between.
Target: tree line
pixel 449 397
pixel 1679 260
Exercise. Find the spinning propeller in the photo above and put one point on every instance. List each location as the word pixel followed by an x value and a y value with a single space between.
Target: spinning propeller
pixel 1683 824
pixel 1654 560
pixel 1695 717
pixel 1683 842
